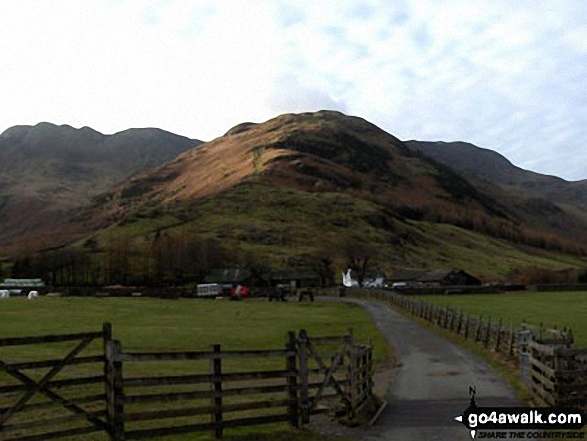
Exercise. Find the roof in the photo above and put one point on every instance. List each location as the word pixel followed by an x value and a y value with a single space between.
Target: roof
pixel 292 274
pixel 228 275
pixel 433 276
pixel 24 283
pixel 425 276
pixel 406 275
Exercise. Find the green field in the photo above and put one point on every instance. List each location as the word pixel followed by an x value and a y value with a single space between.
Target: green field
pixel 550 308
pixel 144 324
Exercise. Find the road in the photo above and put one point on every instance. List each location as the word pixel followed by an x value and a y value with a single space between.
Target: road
pixel 431 385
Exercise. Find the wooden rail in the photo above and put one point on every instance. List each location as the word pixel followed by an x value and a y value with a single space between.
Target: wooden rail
pixel 301 379
pixel 290 394
pixel 87 409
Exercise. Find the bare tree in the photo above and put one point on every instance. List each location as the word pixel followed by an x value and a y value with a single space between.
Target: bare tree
pixel 361 256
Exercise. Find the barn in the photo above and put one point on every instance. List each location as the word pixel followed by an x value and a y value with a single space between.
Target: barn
pixel 446 278
pixel 430 279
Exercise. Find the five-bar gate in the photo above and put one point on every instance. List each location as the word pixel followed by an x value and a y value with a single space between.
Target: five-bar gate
pixel 185 391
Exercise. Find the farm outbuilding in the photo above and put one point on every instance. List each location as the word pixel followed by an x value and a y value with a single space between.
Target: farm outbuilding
pixel 447 278
pixel 22 285
pixel 227 277
pixel 419 278
pixel 294 277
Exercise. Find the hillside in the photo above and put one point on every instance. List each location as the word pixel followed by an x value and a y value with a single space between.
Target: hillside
pixel 491 166
pixel 320 152
pixel 561 204
pixel 49 171
pixel 299 186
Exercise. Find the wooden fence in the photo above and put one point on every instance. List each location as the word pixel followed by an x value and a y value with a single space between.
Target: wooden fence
pixel 190 391
pixel 33 400
pixel 555 371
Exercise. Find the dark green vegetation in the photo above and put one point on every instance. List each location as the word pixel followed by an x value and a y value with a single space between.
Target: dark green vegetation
pixel 562 309
pixel 162 325
pixel 272 225
pixel 259 225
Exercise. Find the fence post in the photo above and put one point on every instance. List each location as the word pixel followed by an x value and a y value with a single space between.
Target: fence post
pixel 114 384
pixel 478 333
pixel 109 379
pixel 453 318
pixel 467 326
pixel 488 333
pixel 292 380
pixel 217 391
pixel 511 344
pixel 304 393
pixel 498 342
pixel 460 324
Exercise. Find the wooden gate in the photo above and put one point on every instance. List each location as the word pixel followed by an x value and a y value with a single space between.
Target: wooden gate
pixel 45 398
pixel 337 378
pixel 33 398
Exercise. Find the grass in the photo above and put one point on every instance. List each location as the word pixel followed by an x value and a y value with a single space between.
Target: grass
pixel 144 324
pixel 561 309
pixel 448 246
pixel 273 223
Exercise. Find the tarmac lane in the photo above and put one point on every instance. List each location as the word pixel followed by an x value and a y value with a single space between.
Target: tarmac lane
pixel 431 383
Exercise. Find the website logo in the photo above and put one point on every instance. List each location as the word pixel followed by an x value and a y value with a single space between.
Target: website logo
pixel 522 422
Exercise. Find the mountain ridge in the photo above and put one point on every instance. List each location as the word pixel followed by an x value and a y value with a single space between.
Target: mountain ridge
pixel 49 171
pixel 263 189
pixel 320 154
pixel 491 166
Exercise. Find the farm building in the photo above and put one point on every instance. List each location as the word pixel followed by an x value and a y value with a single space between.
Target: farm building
pixel 227 277
pixel 23 284
pixel 294 277
pixel 435 278
pixel 404 275
pixel 447 278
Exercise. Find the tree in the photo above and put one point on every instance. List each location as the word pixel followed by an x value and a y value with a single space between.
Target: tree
pixel 361 256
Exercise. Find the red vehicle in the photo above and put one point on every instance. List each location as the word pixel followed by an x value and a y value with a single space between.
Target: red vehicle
pixel 239 291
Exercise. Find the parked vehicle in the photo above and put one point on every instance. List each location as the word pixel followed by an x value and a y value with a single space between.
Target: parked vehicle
pixel 211 290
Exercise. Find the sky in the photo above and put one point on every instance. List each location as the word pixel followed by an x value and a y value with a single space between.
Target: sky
pixel 506 75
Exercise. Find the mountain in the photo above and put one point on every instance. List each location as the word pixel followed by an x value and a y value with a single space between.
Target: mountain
pixel 318 152
pixel 49 171
pixel 561 203
pixel 493 167
pixel 301 185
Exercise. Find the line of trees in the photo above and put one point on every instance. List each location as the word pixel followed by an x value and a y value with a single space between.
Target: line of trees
pixel 166 260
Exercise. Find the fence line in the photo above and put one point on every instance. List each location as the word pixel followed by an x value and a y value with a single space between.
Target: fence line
pixel 554 370
pixel 315 374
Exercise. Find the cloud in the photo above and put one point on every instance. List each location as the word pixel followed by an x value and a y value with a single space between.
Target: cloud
pixel 290 96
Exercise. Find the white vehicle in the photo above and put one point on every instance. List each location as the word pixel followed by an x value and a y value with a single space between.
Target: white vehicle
pixel 4 294
pixel 33 295
pixel 209 290
pixel 399 285
pixel 374 283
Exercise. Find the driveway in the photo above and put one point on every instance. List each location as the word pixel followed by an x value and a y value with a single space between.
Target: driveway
pixel 431 385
